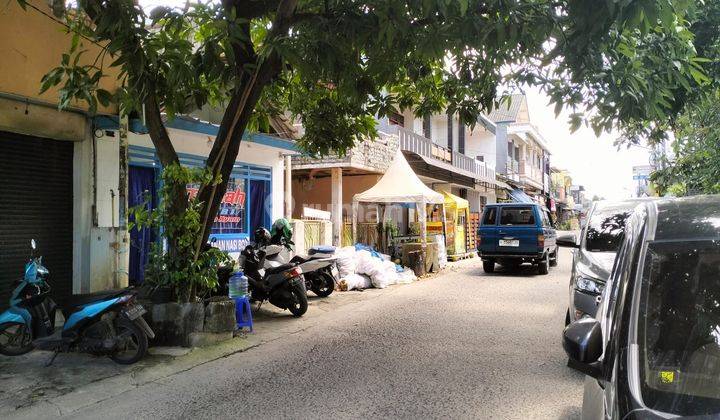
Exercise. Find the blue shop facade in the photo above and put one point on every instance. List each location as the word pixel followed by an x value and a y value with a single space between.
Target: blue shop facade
pixel 254 196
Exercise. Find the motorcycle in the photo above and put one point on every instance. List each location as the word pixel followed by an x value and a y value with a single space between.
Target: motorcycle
pixel 318 266
pixel 107 323
pixel 282 285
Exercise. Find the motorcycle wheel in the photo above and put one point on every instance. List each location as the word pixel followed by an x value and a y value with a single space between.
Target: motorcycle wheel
pixel 299 304
pixel 327 287
pixel 134 344
pixel 15 339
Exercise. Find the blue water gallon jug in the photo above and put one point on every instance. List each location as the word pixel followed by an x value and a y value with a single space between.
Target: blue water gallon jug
pixel 237 285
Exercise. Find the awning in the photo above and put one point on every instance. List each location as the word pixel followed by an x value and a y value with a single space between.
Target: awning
pixel 454 200
pixel 517 195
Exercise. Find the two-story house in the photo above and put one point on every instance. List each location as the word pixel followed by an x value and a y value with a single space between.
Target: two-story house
pixel 508 142
pixel 434 146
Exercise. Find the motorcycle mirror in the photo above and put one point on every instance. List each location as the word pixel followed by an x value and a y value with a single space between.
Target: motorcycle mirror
pixel 33 245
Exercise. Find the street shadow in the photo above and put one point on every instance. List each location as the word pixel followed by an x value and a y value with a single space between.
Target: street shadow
pixel 523 270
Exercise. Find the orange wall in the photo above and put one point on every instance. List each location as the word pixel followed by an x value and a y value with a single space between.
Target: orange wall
pixel 317 193
pixel 31 44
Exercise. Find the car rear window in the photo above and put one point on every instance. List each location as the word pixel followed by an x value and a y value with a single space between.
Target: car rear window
pixel 489 216
pixel 605 230
pixel 517 216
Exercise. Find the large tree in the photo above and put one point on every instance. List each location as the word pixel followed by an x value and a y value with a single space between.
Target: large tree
pixel 338 63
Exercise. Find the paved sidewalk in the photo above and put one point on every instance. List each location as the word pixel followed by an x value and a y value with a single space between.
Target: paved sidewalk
pixel 29 389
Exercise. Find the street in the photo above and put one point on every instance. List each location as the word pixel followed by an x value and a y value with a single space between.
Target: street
pixel 460 345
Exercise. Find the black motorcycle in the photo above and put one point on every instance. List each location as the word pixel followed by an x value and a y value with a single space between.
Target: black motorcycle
pixel 282 285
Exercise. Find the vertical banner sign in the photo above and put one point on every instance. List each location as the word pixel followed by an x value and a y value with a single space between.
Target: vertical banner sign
pixel 230 226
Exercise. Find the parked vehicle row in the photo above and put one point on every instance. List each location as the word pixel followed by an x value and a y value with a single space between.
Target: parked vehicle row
pixel 652 349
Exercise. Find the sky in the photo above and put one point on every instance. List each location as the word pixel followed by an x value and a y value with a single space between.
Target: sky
pixel 593 162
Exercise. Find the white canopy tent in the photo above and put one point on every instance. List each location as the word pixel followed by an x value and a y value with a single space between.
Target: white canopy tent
pixel 399 184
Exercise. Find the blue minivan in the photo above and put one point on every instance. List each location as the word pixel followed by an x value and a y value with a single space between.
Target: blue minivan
pixel 515 233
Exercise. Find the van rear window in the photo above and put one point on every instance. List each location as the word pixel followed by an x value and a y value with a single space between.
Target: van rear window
pixel 489 217
pixel 517 216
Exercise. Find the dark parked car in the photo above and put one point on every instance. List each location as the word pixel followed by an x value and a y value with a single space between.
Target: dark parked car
pixel 593 259
pixel 514 233
pixel 653 350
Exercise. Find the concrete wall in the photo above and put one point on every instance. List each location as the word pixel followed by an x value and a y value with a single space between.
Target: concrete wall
pixel 480 142
pixel 316 193
pixel 32 44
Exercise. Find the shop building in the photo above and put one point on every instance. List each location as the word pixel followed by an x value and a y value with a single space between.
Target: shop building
pixel 64 177
pixel 254 197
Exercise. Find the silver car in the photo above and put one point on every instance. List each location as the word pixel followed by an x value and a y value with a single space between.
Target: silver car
pixel 594 255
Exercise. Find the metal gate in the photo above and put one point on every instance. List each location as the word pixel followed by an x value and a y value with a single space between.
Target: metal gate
pixel 36 201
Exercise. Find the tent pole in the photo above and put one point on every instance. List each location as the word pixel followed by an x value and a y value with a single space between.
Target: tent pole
pixel 355 205
pixel 444 222
pixel 422 214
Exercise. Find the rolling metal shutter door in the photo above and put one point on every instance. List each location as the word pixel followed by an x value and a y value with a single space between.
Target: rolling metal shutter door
pixel 36 201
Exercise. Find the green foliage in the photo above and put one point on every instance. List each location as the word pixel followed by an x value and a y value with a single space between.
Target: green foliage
pixel 630 63
pixel 695 168
pixel 179 267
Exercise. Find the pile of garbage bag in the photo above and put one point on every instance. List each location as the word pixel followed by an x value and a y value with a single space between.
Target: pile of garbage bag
pixel 361 267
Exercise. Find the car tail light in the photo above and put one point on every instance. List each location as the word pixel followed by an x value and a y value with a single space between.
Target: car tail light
pixel 479 240
pixel 295 272
pixel 541 241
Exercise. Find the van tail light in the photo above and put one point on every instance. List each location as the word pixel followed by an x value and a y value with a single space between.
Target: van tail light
pixel 541 241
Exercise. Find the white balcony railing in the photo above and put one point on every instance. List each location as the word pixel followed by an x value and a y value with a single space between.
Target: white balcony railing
pixel 423 146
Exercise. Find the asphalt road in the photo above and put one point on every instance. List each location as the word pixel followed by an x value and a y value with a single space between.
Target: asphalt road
pixel 461 345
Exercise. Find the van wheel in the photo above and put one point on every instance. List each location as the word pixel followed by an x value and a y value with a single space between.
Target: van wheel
pixel 489 266
pixel 554 258
pixel 544 264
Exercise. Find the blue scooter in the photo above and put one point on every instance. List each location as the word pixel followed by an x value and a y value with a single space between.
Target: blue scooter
pixel 105 324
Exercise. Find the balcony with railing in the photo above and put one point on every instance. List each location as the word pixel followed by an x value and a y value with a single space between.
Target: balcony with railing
pixel 532 175
pixel 442 156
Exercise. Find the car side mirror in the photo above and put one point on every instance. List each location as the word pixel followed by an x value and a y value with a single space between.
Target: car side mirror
pixel 583 343
pixel 569 241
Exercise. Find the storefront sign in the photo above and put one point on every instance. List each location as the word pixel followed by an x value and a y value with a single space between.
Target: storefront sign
pixel 230 227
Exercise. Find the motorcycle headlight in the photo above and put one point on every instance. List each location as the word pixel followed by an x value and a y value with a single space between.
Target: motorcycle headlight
pixel 589 284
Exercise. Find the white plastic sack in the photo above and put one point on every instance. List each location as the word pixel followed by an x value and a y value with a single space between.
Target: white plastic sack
pixel 406 277
pixel 345 260
pixel 365 263
pixel 442 250
pixel 355 282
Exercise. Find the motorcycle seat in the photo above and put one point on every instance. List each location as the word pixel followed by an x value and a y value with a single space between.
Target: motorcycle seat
pixel 322 249
pixel 84 299
pixel 278 269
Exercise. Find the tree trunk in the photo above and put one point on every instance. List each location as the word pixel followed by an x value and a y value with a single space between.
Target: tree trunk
pixel 237 115
pixel 168 156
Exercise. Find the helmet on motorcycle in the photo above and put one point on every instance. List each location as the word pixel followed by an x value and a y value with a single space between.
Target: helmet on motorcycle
pixel 262 236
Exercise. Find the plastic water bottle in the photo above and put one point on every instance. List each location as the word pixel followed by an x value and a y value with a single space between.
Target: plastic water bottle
pixel 237 285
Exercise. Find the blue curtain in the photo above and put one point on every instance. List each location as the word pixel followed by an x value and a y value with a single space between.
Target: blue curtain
pixel 260 205
pixel 141 183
